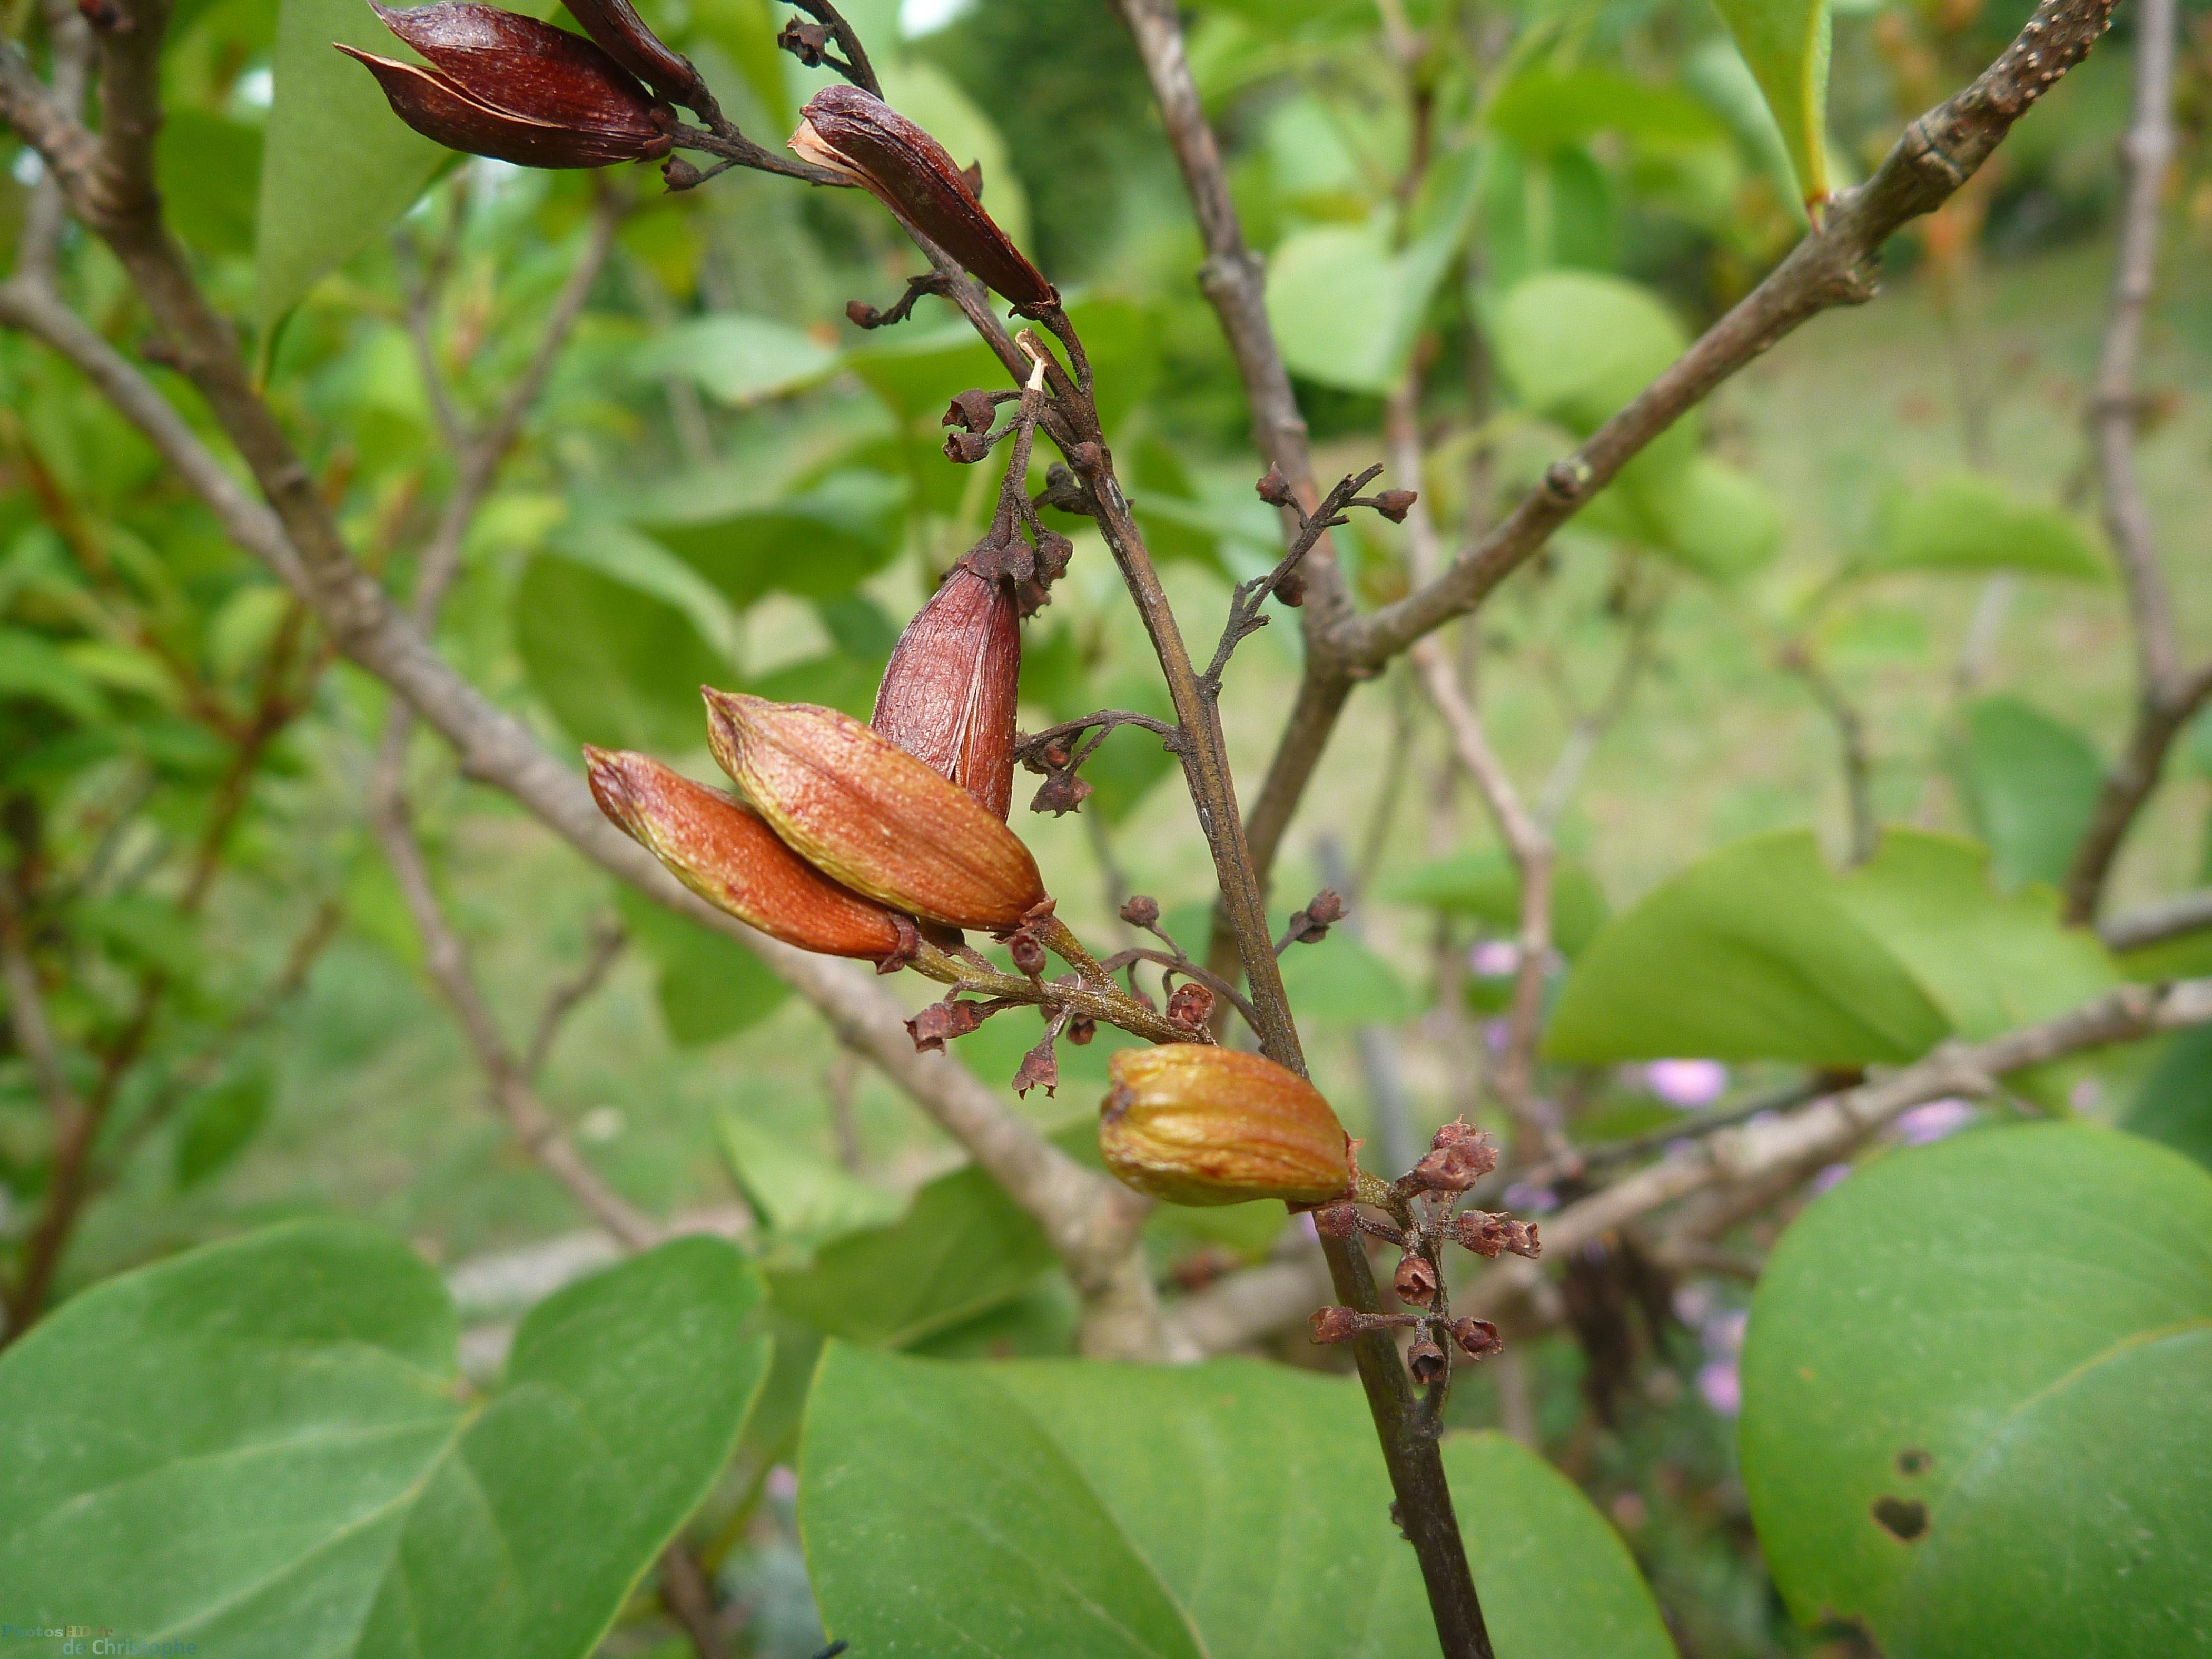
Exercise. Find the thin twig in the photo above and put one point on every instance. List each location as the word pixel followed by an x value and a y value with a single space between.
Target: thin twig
pixel 609 938
pixel 1851 739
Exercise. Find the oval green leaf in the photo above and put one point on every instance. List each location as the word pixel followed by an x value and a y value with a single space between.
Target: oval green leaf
pixel 1974 1398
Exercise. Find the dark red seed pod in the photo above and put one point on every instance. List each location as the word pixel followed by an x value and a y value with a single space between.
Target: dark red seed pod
pixel 1190 1005
pixel 1477 1337
pixel 516 89
pixel 856 135
pixel 948 693
pixel 623 35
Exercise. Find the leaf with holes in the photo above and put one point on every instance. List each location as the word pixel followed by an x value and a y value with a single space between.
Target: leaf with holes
pixel 1235 1509
pixel 281 1458
pixel 1974 1398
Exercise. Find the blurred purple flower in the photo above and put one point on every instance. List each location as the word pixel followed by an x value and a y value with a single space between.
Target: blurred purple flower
pixel 1531 1200
pixel 1495 1034
pixel 1494 958
pixel 2086 1096
pixel 1724 1333
pixel 1687 1083
pixel 783 1484
pixel 1934 1121
pixel 1722 1387
pixel 1828 1179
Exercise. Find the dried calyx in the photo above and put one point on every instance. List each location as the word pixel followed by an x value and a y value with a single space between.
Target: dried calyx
pixel 860 137
pixel 514 88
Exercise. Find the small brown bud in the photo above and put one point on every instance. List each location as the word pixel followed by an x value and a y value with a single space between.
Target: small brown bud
pixel 1335 1324
pixel 1081 1030
pixel 1190 1005
pixel 516 89
pixel 867 813
pixel 1291 590
pixel 1059 794
pixel 1477 1338
pixel 805 41
pixel 1461 1156
pixel 948 693
pixel 966 449
pixel 1057 755
pixel 722 851
pixel 1395 504
pixel 1415 1281
pixel 1428 1362
pixel 941 1022
pixel 677 173
pixel 1326 906
pixel 1275 489
pixel 1027 954
pixel 1139 910
pixel 973 410
pixel 1336 1221
pixel 856 135
pixel 1196 1124
pixel 1040 1069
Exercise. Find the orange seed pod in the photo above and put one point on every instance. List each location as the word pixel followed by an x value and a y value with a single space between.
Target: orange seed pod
pixel 1196 1124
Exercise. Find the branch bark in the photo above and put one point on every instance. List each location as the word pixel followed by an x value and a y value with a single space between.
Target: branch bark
pixel 2166 693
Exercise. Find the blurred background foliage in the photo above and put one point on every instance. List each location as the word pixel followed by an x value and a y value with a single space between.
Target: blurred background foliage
pixel 724 480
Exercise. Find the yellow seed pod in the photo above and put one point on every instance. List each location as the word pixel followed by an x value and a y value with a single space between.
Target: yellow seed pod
pixel 1195 1124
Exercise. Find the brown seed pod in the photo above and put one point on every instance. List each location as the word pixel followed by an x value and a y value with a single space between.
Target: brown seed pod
pixel 867 813
pixel 1427 1362
pixel 947 697
pixel 723 851
pixel 623 35
pixel 859 136
pixel 1196 1124
pixel 514 88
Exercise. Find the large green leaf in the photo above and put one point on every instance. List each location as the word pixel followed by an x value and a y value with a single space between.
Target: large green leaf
pixel 264 1447
pixel 1232 1509
pixel 737 358
pixel 1974 1398
pixel 206 166
pixel 1340 981
pixel 1704 514
pixel 1347 307
pixel 1786 42
pixel 2174 1103
pixel 1576 345
pixel 962 1247
pixel 338 167
pixel 616 664
pixel 1760 950
pixel 1970 523
pixel 819 544
pixel 798 1196
pixel 2031 783
pixel 1553 207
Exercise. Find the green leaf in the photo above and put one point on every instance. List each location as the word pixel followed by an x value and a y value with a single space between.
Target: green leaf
pixel 800 1197
pixel 1346 308
pixel 1786 42
pixel 1576 345
pixel 205 168
pixel 710 987
pixel 617 666
pixel 2031 784
pixel 1760 950
pixel 33 669
pixel 962 1247
pixel 1554 207
pixel 734 358
pixel 338 167
pixel 1484 883
pixel 2174 1104
pixel 220 1122
pixel 1338 981
pixel 1172 1511
pixel 281 1458
pixel 1715 518
pixel 1542 107
pixel 1967 522
pixel 819 544
pixel 1974 1390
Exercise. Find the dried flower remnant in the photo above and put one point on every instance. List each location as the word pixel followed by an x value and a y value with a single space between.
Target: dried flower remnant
pixel 516 89
pixel 1415 1281
pixel 1428 1362
pixel 1477 1338
pixel 859 136
pixel 868 814
pixel 1459 1156
pixel 1195 1124
pixel 947 697
pixel 1490 1235
pixel 723 851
